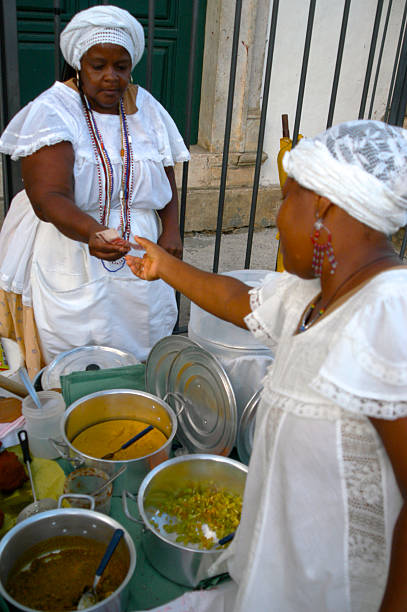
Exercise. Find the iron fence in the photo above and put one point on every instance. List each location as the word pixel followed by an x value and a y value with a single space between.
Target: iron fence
pixel 395 109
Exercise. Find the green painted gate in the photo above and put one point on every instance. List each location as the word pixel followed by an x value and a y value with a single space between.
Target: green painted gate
pixel 171 51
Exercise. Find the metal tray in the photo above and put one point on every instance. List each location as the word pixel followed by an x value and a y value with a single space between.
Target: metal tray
pixel 200 392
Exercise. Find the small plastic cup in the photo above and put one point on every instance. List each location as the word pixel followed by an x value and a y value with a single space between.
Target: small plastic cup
pixel 86 480
pixel 44 424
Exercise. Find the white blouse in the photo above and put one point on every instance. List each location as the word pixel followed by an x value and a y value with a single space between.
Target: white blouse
pixel 321 498
pixel 56 275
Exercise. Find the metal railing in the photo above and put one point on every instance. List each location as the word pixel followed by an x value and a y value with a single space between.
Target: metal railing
pixel 395 110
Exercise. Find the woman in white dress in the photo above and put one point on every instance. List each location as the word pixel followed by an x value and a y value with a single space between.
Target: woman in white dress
pixel 97 152
pixel 324 521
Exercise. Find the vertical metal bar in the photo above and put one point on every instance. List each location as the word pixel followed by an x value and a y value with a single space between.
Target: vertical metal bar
pixel 229 112
pixel 338 64
pixel 150 43
pixel 379 59
pixel 187 132
pixel 370 58
pixel 263 116
pixel 396 62
pixel 10 92
pixel 307 45
pixel 398 104
pixel 188 112
pixel 57 30
pixel 403 244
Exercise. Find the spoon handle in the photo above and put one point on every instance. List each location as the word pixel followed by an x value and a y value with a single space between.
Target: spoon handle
pixel 137 437
pixel 117 536
pixel 29 386
pixel 23 438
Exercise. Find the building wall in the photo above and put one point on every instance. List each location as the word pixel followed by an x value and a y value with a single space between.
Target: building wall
pixel 289 47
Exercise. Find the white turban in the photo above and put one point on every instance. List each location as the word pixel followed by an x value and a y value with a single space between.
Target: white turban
pixel 98 25
pixel 359 165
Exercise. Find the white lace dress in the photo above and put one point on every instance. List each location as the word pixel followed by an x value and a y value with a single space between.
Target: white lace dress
pixel 76 301
pixel 321 499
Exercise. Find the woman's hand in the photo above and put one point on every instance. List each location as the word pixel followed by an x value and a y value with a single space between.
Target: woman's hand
pixel 170 240
pixel 148 266
pixel 109 251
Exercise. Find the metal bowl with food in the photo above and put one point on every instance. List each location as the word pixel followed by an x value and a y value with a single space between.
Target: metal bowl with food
pixel 47 560
pixel 100 423
pixel 181 546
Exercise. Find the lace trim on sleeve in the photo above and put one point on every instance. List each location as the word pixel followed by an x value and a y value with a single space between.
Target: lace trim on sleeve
pixel 312 410
pixel 24 150
pixel 390 372
pixel 382 409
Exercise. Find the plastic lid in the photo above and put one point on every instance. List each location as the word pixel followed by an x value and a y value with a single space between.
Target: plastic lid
pixel 159 362
pixel 79 359
pixel 247 424
pixel 200 392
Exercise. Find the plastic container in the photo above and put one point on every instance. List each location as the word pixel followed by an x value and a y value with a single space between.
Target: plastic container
pixel 44 424
pixel 14 358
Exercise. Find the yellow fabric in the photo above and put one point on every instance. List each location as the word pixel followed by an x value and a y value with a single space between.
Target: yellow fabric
pixel 48 478
pixel 17 323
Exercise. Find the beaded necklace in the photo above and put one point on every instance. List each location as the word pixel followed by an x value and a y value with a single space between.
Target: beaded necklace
pixel 306 323
pixel 103 160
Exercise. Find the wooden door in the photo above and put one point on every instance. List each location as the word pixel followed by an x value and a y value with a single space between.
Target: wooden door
pixel 172 28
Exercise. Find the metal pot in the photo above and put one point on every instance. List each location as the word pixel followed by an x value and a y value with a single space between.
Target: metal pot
pixel 183 564
pixel 112 405
pixel 72 522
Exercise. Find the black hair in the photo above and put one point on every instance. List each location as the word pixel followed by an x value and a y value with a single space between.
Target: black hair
pixel 67 72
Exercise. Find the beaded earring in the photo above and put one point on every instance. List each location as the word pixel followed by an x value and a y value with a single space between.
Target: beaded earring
pixel 77 80
pixel 322 247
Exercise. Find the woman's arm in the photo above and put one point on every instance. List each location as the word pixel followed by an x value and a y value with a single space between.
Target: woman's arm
pixel 394 436
pixel 170 238
pixel 223 296
pixel 49 183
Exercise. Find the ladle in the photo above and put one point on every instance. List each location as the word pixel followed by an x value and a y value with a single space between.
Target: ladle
pixel 38 505
pixel 89 596
pixel 29 386
pixel 131 441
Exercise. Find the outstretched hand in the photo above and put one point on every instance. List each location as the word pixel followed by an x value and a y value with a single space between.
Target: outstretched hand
pixel 148 266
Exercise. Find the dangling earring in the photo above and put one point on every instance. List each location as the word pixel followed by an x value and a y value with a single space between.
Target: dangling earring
pixel 78 83
pixel 131 78
pixel 322 248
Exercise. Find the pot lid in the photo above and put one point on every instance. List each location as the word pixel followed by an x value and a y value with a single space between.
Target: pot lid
pixel 200 392
pixel 245 433
pixel 84 358
pixel 159 362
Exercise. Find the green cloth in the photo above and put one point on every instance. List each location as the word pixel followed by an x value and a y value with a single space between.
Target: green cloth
pixel 78 384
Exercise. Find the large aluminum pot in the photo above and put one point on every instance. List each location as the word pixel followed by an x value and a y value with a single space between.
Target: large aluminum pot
pixel 112 405
pixel 180 563
pixel 71 522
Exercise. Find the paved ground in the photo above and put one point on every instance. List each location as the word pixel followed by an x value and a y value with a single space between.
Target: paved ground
pixel 199 251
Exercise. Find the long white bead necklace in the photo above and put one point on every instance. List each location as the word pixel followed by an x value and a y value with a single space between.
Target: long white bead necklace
pixel 103 160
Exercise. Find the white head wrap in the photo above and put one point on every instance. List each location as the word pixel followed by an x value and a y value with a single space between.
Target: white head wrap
pixel 359 165
pixel 98 25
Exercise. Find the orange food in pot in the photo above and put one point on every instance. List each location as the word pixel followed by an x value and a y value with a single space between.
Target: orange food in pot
pixel 107 436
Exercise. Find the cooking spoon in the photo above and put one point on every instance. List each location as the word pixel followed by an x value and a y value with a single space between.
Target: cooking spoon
pixel 37 505
pixel 30 387
pixel 131 441
pixel 89 596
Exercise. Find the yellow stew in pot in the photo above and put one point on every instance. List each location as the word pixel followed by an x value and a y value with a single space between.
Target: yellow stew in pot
pixel 106 437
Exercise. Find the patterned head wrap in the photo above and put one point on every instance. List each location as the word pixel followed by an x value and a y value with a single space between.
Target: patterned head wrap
pixel 359 165
pixel 101 24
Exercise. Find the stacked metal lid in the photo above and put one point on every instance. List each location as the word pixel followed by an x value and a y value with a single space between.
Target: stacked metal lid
pixel 196 386
pixel 83 358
